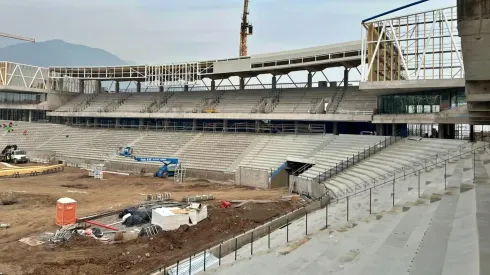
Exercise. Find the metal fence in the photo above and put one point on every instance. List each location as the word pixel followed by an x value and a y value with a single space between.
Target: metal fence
pixel 349 162
pixel 297 225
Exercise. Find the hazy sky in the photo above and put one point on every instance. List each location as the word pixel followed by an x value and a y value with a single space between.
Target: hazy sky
pixel 163 31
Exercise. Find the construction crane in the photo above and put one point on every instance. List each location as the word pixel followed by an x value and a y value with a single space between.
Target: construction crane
pixel 13 36
pixel 246 29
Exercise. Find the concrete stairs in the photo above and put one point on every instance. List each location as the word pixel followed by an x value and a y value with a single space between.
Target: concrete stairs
pixel 400 158
pixel 434 234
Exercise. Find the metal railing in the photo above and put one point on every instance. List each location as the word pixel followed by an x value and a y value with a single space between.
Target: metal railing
pixel 356 158
pixel 318 215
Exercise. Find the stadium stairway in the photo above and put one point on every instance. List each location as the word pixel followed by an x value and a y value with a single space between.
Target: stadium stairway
pixel 339 149
pixel 434 234
pixel 399 158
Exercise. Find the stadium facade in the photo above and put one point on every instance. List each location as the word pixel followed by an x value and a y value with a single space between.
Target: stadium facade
pixel 412 82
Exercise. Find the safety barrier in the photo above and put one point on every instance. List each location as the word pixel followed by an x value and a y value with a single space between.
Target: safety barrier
pixel 32 171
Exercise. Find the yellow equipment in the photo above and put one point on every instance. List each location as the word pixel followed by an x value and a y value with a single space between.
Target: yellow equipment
pixel 31 170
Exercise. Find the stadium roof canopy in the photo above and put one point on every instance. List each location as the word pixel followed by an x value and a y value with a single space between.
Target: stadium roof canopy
pixel 346 54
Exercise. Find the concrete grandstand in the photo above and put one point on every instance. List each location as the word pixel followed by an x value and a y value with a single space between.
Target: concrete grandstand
pixel 330 139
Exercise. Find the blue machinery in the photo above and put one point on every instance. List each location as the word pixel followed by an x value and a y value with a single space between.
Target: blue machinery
pixel 166 170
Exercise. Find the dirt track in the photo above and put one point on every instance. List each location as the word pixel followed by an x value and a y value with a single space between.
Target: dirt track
pixel 35 213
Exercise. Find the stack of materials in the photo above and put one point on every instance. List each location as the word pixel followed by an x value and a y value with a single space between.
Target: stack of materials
pixel 171 218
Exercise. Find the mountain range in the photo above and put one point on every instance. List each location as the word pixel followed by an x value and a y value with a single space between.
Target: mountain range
pixel 58 53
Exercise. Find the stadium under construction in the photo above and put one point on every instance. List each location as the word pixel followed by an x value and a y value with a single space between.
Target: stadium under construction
pixel 393 158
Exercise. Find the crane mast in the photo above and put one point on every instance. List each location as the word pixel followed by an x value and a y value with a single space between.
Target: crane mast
pixel 246 29
pixel 13 36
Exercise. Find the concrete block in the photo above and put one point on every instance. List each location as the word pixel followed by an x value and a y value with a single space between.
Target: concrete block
pixel 435 197
pixel 407 206
pixel 465 187
pixel 420 201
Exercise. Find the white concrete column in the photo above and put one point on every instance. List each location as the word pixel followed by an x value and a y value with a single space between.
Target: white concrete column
pixel 81 86
pixel 142 123
pixel 30 115
pixel 310 80
pixel 335 128
pixel 242 83
pixel 225 125
pixel 138 87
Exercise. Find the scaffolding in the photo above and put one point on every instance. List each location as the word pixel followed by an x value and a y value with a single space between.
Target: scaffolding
pixel 424 45
pixel 180 173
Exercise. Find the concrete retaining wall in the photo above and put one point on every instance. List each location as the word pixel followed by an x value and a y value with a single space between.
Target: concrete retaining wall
pixel 137 168
pixel 41 156
pixel 253 177
pixel 306 186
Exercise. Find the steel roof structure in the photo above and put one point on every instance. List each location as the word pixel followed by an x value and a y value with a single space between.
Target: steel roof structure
pixel 346 54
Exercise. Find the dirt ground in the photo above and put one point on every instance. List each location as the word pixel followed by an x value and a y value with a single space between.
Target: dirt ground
pixel 34 213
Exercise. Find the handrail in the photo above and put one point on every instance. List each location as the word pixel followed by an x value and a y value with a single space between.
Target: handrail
pixel 343 165
pixel 392 176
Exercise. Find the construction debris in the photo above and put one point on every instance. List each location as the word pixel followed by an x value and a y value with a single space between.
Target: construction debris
pixel 198 198
pixel 243 202
pixel 171 218
pixel 290 198
pixel 31 241
pixel 158 197
pixel 4 225
pixel 225 204
pixel 197 212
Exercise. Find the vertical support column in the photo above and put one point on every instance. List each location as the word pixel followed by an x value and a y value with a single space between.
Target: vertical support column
pixel 310 80
pixel 117 86
pixel 379 129
pixel 96 122
pixel 335 128
pixel 472 133
pixel 166 123
pixel 30 115
pixel 393 129
pixel 451 131
pixel 194 124
pixel 257 126
pixel 142 123
pixel 242 83
pixel 60 85
pixel 225 125
pixel 98 86
pixel 213 85
pixel 81 86
pixel 296 126
pixel 440 134
pixel 160 89
pixel 118 122
pixel 274 82
pixel 138 87
pixel 346 78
